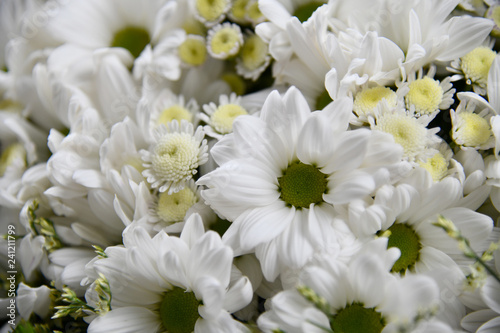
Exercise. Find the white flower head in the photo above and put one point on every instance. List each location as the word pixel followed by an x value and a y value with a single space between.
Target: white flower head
pixel 210 12
pixel 193 50
pixel 175 155
pixel 288 168
pixel 170 284
pixel 474 66
pixel 361 296
pixel 407 130
pixel 426 95
pixel 220 118
pixel 471 122
pixel 224 40
pixel 253 57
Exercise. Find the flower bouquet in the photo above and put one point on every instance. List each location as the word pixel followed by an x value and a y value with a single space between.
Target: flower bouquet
pixel 250 166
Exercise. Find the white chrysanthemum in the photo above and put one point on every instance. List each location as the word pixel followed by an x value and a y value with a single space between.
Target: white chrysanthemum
pixel 438 162
pixel 165 107
pixel 224 40
pixel 407 130
pixel 170 284
pixel 193 50
pixel 474 67
pixel 253 57
pixel 211 12
pixel 220 118
pixel 366 100
pixel 361 296
pixel 288 169
pixel 174 156
pixel 471 123
pixel 410 210
pixel 425 95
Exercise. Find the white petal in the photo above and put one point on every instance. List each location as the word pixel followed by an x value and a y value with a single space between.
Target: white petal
pixel 262 225
pixel 239 295
pixel 344 187
pixel 193 230
pixel 316 142
pixel 491 294
pixel 126 320
pixel 474 320
pixel 492 326
pixel 210 291
pixel 493 82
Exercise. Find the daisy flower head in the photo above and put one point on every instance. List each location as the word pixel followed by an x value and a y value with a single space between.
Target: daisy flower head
pixel 253 57
pixel 210 12
pixel 471 126
pixel 426 95
pixel 224 40
pixel 174 156
pixel 407 130
pixel 164 107
pixel 170 284
pixel 220 118
pixel 438 162
pixel 366 100
pixel 287 169
pixel 168 211
pixel 360 296
pixel 193 50
pixel 474 67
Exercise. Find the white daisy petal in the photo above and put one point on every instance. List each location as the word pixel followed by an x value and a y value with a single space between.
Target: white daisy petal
pixel 127 319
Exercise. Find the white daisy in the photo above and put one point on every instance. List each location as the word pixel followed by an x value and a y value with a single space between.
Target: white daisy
pixel 424 94
pixel 224 40
pixel 210 12
pixel 219 119
pixel 170 284
pixel 174 156
pixel 471 123
pixel 474 67
pixel 291 166
pixel 407 130
pixel 361 296
pixel 253 57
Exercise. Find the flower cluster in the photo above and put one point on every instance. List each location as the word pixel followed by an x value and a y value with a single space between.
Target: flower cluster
pixel 250 165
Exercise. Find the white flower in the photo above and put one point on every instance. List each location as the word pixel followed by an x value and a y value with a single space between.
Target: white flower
pixel 220 118
pixel 360 296
pixel 174 156
pixel 425 95
pixel 471 123
pixel 33 300
pixel 407 130
pixel 287 170
pixel 170 284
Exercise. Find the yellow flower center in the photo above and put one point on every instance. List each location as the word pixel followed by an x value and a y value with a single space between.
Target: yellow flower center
pixel 425 95
pixel 173 207
pixel 238 10
pixel 366 100
pixel 406 131
pixel 235 82
pixel 476 65
pixel 472 130
pixel 175 112
pixel 10 154
pixel 223 118
pixel 193 50
pixel 211 10
pixel 436 165
pixel 253 53
pixel 253 12
pixel 225 42
pixel 175 157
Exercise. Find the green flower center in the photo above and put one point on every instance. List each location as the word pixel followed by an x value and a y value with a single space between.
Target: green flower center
pixel 302 184
pixel 133 39
pixel 355 318
pixel 304 12
pixel 179 311
pixel 407 241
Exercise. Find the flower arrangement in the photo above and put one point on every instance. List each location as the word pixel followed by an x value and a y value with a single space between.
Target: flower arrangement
pixel 250 166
